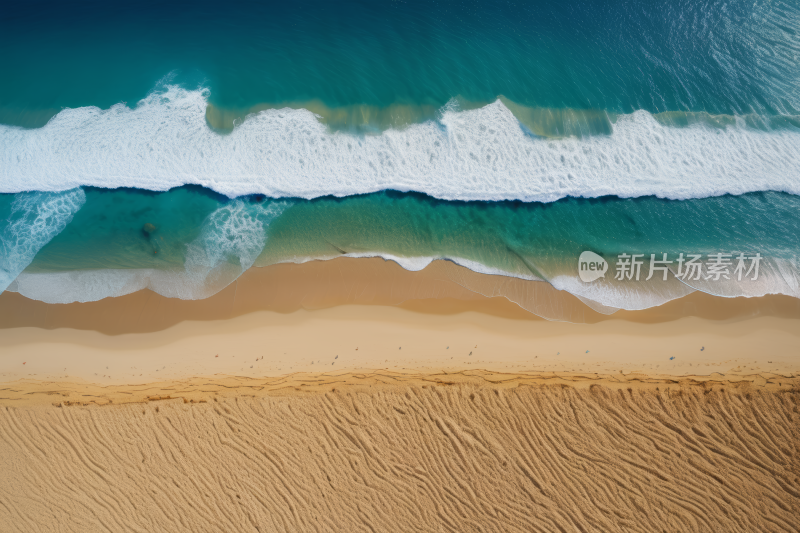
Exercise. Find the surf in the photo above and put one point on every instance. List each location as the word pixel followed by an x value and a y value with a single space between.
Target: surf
pixel 191 243
pixel 477 154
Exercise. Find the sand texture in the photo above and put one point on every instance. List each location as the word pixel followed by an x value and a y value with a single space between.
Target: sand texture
pixel 467 456
pixel 352 395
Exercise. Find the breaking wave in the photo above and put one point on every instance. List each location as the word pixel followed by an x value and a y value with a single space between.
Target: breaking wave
pixel 488 153
pixel 33 220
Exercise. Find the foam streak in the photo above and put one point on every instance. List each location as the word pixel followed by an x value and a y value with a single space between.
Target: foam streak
pixel 480 154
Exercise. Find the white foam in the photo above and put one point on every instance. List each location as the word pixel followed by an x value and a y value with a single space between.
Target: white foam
pixel 34 220
pixel 606 296
pixel 230 240
pixel 419 262
pixel 480 154
pixel 776 276
pixel 229 243
pixel 216 263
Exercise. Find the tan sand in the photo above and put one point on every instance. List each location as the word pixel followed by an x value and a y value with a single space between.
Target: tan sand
pixel 367 338
pixel 262 328
pixel 365 455
pixel 322 397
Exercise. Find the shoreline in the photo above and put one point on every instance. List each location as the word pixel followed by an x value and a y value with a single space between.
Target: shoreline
pixel 441 288
pixel 354 316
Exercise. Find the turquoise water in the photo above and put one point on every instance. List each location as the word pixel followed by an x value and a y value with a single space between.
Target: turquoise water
pixel 191 242
pixel 174 146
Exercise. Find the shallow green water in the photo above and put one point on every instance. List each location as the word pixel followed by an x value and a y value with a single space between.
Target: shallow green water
pixel 192 233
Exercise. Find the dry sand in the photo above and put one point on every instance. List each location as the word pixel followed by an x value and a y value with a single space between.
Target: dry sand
pixel 465 456
pixel 319 398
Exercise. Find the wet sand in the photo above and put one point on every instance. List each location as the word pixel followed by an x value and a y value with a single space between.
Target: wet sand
pixel 443 287
pixel 322 397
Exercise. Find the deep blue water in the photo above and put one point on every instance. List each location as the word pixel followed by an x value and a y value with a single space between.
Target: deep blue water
pixel 723 57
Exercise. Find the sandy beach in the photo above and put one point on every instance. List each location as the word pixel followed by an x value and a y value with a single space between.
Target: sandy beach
pixel 470 452
pixel 356 315
pixel 400 266
pixel 326 397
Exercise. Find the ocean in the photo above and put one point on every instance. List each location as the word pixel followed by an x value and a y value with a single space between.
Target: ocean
pixel 172 147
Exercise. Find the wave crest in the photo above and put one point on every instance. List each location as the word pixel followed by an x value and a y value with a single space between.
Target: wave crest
pixel 475 154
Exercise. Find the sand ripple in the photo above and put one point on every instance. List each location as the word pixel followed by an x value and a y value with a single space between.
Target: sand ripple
pixel 410 458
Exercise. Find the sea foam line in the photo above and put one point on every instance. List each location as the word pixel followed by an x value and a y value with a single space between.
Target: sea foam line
pixel 35 218
pixel 480 154
pixel 202 279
